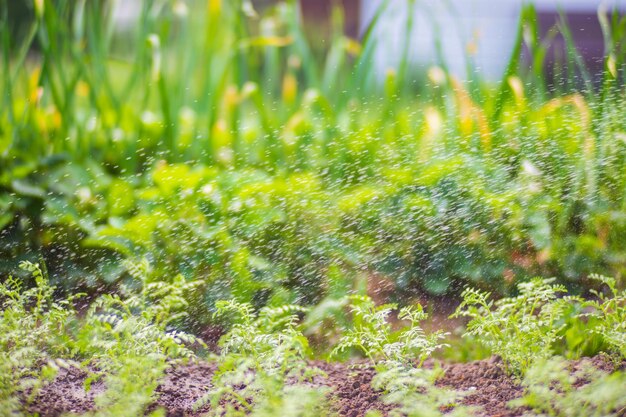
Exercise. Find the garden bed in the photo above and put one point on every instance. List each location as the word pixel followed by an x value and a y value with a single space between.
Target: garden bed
pixel 487 387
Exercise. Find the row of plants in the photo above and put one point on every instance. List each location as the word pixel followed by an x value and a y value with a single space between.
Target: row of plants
pixel 223 144
pixel 127 341
pixel 124 340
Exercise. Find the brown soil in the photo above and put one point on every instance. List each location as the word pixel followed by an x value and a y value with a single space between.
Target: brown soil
pixel 353 394
pixel 487 386
pixel 66 394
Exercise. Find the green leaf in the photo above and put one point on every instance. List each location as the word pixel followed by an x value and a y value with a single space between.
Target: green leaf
pixel 28 189
pixel 121 199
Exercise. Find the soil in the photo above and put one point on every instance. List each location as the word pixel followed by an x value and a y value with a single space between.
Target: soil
pixel 487 386
pixel 353 394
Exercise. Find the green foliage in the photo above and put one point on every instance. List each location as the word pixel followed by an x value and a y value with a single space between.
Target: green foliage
pixel 538 323
pixel 294 401
pixel 130 341
pixel 519 329
pixel 243 391
pixel 138 323
pixel 131 382
pixel 553 390
pixel 125 340
pixel 271 337
pixel 580 338
pixel 463 348
pixel 610 314
pixel 398 357
pixel 413 393
pixel 218 224
pixel 373 335
pixel 290 159
pixel 34 332
pixel 262 365
pixel 279 177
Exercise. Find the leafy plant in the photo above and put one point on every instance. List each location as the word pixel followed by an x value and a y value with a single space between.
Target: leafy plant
pixel 262 365
pixel 125 340
pixel 553 390
pixel 131 382
pixel 280 177
pixel 413 393
pixel 521 329
pixel 242 391
pixel 580 339
pixel 270 337
pixel 398 356
pixel 196 173
pixel 129 340
pixel 372 333
pixel 610 312
pixel 34 331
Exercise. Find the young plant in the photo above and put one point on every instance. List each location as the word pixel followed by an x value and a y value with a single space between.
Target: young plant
pixel 610 312
pixel 297 400
pixel 580 336
pixel 130 342
pixel 404 383
pixel 124 340
pixel 140 322
pixel 262 366
pixel 519 329
pixel 34 331
pixel 554 390
pixel 243 391
pixel 373 335
pixel 413 392
pixel 270 338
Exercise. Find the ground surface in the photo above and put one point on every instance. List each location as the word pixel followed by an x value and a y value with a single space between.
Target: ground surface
pixel 487 385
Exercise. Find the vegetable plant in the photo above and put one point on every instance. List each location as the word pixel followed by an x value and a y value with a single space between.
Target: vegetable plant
pixel 372 334
pixel 126 341
pixel 413 393
pixel 610 314
pixel 519 329
pixel 553 390
pixel 262 365
pixel 35 332
pixel 398 356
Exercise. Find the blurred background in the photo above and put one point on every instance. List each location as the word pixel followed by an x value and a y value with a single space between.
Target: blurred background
pixel 290 151
pixel 482 30
pixel 466 35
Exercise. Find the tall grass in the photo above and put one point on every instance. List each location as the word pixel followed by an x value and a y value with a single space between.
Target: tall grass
pixel 186 75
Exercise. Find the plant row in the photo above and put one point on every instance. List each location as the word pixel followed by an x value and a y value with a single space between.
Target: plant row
pixel 127 341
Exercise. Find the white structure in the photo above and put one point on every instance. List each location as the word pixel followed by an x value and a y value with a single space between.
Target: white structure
pixel 484 28
pixel 125 13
